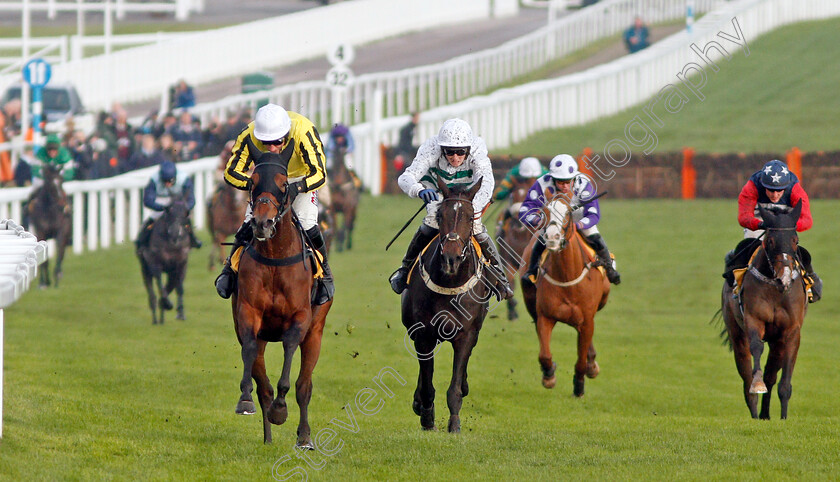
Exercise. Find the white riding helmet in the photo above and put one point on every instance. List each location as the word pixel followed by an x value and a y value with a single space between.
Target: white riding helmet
pixel 272 122
pixel 530 167
pixel 455 133
pixel 563 167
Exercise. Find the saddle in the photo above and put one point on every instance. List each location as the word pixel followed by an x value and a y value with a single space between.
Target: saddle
pixel 313 256
pixel 589 255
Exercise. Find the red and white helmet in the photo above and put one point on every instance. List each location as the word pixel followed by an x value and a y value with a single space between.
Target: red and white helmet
pixel 563 167
pixel 455 133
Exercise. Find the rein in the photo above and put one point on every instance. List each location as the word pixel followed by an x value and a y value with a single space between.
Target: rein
pixel 567 242
pixel 457 290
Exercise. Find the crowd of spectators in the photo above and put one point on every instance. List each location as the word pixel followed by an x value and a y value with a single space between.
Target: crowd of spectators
pixel 115 146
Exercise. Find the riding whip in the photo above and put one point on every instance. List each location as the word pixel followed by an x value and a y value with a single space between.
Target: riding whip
pixel 405 226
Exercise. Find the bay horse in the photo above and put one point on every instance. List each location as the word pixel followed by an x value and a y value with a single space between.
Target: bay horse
pixel 516 237
pixel 166 253
pixel 345 201
pixel 225 212
pixel 446 300
pixel 273 300
pixel 51 218
pixel 569 289
pixel 774 305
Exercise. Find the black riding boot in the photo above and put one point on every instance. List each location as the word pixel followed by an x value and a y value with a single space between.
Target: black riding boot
pixel 501 285
pixel 738 258
pixel 226 281
pixel 815 293
pixel 145 234
pixel 326 288
pixel 534 262
pixel 600 246
pixel 194 241
pixel 421 238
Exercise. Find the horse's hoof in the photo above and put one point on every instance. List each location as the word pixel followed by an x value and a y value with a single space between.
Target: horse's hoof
pixel 246 407
pixel 427 418
pixel 454 424
pixel 578 390
pixel 277 413
pixel 166 304
pixel 549 382
pixel 593 370
pixel 305 444
pixel 180 316
pixel 758 386
pixel 415 405
pixel 513 315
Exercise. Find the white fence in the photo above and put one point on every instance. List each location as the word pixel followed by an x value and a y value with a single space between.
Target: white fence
pixel 111 208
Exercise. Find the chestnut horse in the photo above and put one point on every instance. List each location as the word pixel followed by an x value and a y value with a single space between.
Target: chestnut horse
pixel 51 218
pixel 345 201
pixel 446 300
pixel 515 237
pixel 774 305
pixel 569 289
pixel 225 212
pixel 272 301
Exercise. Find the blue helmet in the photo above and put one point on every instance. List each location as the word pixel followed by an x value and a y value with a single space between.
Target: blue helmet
pixel 168 172
pixel 339 130
pixel 776 176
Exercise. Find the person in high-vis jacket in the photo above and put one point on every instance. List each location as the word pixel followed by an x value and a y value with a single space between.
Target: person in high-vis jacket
pixel 271 131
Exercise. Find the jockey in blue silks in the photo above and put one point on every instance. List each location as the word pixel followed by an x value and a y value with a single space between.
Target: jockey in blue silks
pixel 158 194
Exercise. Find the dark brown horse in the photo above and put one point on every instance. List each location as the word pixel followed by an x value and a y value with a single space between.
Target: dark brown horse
pixel 512 238
pixel 327 223
pixel 166 253
pixel 225 212
pixel 51 218
pixel 446 300
pixel 569 289
pixel 774 306
pixel 345 201
pixel 272 302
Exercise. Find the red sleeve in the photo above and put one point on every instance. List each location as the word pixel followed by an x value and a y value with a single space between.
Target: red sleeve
pixel 746 206
pixel 797 194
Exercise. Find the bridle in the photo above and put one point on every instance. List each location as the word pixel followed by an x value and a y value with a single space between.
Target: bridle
pixel 282 206
pixel 453 237
pixel 762 277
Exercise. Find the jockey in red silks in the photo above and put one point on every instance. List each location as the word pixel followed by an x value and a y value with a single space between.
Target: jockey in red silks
pixel 773 187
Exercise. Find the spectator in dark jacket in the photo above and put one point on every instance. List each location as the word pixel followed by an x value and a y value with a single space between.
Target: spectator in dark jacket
pixel 636 37
pixel 148 154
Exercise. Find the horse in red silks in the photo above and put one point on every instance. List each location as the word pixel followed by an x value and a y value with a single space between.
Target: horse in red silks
pixel 772 308
pixel 273 300
pixel 569 289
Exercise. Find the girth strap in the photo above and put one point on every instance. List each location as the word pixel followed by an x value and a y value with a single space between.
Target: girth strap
pixel 297 258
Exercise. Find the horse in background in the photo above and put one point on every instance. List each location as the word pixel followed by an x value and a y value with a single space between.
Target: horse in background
pixel 569 289
pixel 273 301
pixel 446 300
pixel 51 217
pixel 166 253
pixel 516 236
pixel 772 308
pixel 345 201
pixel 225 212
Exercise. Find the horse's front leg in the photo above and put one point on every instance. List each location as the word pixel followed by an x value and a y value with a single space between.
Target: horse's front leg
pixel 246 321
pixel 291 340
pixel 310 350
pixel 265 393
pixel 544 328
pixel 163 301
pixel 791 350
pixel 61 243
pixel 179 291
pixel 45 274
pixel 462 347
pixel 755 334
pixel 424 394
pixel 584 342
pixel 150 293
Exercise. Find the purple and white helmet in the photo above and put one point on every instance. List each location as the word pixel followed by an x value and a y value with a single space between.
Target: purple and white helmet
pixel 563 167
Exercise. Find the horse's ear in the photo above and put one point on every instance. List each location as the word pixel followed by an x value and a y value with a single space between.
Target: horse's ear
pixel 797 210
pixel 286 153
pixel 474 189
pixel 442 187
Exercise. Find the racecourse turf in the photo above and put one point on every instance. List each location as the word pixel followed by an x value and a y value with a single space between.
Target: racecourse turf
pixel 94 391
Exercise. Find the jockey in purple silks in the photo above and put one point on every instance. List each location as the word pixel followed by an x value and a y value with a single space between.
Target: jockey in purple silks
pixel 564 179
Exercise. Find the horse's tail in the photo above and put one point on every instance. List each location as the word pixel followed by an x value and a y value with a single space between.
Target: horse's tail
pixel 717 319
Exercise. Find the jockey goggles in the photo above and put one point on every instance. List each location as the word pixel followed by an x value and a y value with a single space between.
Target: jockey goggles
pixel 455 151
pixel 276 142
